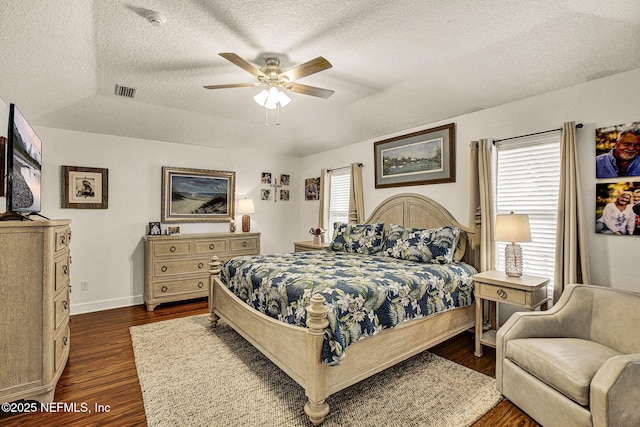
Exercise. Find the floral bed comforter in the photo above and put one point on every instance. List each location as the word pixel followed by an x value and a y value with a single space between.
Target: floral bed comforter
pixel 365 293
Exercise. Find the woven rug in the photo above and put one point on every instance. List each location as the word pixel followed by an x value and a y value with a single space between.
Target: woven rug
pixel 194 375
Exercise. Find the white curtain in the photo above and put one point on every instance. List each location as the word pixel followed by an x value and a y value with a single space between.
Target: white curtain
pixel 482 203
pixel 356 198
pixel 571 248
pixel 325 192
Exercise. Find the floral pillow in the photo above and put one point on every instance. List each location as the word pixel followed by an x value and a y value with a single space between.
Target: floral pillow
pixel 433 245
pixel 357 238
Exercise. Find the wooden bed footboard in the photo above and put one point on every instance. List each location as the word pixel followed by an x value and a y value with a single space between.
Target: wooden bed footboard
pixel 297 351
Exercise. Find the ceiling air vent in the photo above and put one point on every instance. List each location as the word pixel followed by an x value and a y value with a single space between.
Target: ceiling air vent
pixel 127 92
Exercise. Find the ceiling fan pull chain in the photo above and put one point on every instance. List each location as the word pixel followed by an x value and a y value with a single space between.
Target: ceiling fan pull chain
pixel 266 117
pixel 278 115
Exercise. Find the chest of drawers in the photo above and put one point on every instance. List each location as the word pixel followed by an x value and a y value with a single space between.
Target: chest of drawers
pixel 176 267
pixel 34 320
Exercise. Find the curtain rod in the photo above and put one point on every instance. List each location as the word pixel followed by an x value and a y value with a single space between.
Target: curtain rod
pixel 343 167
pixel 578 126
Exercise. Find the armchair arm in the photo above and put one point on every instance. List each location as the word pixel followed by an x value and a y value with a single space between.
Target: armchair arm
pixel 615 393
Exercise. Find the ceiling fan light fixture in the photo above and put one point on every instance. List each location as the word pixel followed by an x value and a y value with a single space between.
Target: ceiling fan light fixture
pixel 271 98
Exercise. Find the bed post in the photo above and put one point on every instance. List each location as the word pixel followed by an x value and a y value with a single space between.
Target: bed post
pixel 215 266
pixel 316 382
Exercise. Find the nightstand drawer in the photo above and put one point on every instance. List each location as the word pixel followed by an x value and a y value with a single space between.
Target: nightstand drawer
pixel 502 294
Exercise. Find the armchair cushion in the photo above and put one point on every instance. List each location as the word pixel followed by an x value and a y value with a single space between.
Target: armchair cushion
pixel 566 364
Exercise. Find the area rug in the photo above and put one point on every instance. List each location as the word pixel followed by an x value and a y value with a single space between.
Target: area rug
pixel 195 375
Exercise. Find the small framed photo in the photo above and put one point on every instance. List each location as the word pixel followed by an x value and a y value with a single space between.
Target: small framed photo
pixel 265 194
pixel 285 179
pixel 154 229
pixel 312 189
pixel 84 188
pixel 284 195
pixel 173 230
pixel 266 178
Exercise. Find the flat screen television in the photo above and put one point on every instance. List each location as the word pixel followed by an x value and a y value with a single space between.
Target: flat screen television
pixel 24 165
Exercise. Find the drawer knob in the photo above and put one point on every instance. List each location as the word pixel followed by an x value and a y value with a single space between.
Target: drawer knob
pixel 164 289
pixel 65 269
pixel 65 304
pixel 164 269
pixel 245 244
pixel 172 249
pixel 200 284
pixel 212 246
pixel 63 240
pixel 64 341
pixel 200 265
pixel 502 294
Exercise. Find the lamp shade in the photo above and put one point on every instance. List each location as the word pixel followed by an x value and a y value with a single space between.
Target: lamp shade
pixel 245 206
pixel 512 228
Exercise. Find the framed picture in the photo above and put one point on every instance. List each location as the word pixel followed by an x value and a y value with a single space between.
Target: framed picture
pixel 154 229
pixel 285 179
pixel 197 195
pixel 265 194
pixel 418 158
pixel 84 188
pixel 312 189
pixel 618 151
pixel 284 195
pixel 173 230
pixel 618 208
pixel 265 178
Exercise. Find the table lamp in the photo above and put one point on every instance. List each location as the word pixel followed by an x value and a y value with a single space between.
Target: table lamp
pixel 513 228
pixel 245 206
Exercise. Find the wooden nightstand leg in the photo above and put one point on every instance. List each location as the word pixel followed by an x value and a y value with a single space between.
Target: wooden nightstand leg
pixel 479 316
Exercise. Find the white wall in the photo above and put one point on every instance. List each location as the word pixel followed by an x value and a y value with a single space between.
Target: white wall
pixel 107 246
pixel 607 101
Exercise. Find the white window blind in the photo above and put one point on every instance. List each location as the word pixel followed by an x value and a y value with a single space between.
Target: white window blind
pixel 528 175
pixel 339 199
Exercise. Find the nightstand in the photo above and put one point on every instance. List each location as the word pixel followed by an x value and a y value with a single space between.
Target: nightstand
pixel 528 292
pixel 308 245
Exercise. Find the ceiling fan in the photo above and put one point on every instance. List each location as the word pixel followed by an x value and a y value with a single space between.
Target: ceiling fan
pixel 272 76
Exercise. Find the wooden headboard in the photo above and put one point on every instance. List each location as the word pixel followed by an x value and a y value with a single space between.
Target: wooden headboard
pixel 417 211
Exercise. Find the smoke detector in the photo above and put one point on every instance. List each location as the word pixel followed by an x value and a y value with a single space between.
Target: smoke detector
pixel 155 18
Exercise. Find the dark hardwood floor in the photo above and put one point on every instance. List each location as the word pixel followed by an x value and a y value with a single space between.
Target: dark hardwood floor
pixel 100 386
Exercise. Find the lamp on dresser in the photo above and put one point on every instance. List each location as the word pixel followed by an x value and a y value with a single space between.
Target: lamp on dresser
pixel 245 206
pixel 513 228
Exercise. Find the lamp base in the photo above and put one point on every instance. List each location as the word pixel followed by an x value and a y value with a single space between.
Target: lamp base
pixel 246 223
pixel 513 260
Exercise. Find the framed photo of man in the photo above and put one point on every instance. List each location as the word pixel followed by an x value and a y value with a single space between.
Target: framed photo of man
pixel 618 151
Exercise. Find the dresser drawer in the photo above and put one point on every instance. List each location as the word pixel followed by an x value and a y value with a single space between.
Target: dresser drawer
pixel 171 268
pixel 61 308
pixel 62 238
pixel 501 294
pixel 61 272
pixel 177 287
pixel 175 248
pixel 249 244
pixel 217 246
pixel 61 347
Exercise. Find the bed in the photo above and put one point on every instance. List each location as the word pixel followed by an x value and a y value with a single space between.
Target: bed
pixel 298 350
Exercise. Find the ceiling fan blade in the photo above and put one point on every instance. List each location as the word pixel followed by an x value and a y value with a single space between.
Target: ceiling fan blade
pixel 233 85
pixel 232 57
pixel 308 68
pixel 309 90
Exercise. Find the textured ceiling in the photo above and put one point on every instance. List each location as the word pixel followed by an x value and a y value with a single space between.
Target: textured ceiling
pixel 396 65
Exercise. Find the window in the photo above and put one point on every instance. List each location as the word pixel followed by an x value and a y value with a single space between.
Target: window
pixel 339 199
pixel 528 176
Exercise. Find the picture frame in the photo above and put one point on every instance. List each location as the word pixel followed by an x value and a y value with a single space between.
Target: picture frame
pixel 312 188
pixel 265 178
pixel 284 195
pixel 265 194
pixel 154 229
pixel 197 195
pixel 614 145
pixel 419 158
pixel 84 187
pixel 285 179
pixel 616 207
pixel 173 230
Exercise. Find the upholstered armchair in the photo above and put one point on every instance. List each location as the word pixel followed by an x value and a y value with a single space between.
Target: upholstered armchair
pixel 577 364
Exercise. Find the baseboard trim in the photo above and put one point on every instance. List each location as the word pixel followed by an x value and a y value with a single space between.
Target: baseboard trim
pixel 90 307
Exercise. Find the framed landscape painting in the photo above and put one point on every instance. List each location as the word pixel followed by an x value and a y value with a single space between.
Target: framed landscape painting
pixel 197 195
pixel 418 158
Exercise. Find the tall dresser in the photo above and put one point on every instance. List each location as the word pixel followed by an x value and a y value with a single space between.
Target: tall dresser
pixel 34 307
pixel 176 267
